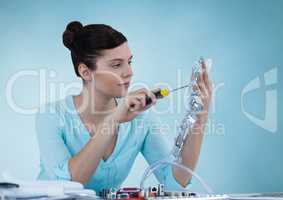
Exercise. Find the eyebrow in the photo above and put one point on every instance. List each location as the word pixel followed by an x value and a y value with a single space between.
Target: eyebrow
pixel 120 59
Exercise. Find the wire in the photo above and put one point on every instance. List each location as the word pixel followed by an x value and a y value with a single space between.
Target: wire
pixel 195 106
pixel 159 163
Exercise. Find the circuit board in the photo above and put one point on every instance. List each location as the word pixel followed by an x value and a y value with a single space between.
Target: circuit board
pixel 154 193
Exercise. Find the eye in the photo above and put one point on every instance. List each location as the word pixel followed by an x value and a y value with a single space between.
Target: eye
pixel 116 66
pixel 130 62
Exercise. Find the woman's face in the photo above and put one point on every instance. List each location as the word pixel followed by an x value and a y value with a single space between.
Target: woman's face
pixel 113 71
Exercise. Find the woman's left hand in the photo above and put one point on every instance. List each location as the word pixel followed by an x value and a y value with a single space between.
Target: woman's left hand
pixel 204 88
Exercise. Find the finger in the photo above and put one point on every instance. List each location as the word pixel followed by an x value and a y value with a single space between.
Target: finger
pixel 205 73
pixel 201 85
pixel 210 86
pixel 204 85
pixel 142 90
pixel 200 77
pixel 152 96
pixel 199 91
pixel 203 89
pixel 134 105
pixel 203 64
pixel 141 98
pixel 132 102
pixel 149 94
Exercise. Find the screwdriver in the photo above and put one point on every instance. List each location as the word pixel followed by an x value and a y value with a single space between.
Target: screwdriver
pixel 160 93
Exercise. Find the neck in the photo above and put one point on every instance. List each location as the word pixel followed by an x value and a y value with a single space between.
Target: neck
pixel 94 105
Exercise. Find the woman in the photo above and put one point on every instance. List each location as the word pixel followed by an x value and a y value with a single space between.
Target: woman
pixel 90 138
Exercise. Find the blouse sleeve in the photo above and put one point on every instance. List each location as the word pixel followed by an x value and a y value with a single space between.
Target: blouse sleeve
pixel 156 147
pixel 54 155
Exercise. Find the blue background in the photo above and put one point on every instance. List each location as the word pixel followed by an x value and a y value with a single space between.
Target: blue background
pixel 244 39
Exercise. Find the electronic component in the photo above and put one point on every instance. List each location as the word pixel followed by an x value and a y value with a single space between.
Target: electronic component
pixel 194 107
pixel 157 193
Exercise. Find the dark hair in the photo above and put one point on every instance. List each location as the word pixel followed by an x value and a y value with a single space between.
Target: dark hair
pixel 86 42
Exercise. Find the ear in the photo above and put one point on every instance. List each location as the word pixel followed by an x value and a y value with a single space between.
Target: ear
pixel 84 72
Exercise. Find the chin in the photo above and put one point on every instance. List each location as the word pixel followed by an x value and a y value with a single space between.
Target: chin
pixel 116 92
pixel 123 94
pixel 119 94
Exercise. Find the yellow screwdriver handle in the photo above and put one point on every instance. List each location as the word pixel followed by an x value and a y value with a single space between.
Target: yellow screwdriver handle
pixel 158 94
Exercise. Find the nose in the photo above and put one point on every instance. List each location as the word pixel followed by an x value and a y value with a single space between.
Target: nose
pixel 128 72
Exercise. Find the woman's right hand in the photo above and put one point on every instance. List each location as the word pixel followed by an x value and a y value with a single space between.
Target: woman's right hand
pixel 133 104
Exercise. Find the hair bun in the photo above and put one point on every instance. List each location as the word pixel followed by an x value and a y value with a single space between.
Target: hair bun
pixel 69 34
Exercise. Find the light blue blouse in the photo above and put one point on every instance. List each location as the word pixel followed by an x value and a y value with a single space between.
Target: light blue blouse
pixel 61 134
